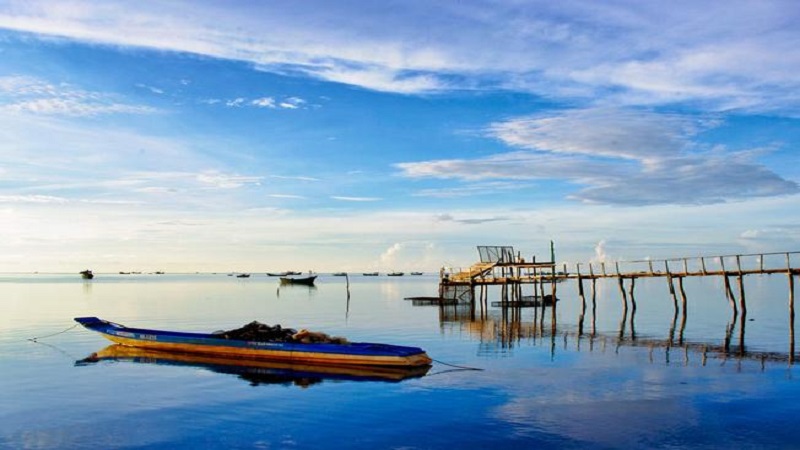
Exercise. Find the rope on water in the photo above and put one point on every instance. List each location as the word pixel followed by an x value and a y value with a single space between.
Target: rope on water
pixel 36 339
pixel 457 367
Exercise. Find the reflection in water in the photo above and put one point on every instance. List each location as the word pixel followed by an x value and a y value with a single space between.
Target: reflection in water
pixel 791 318
pixel 256 372
pixel 312 289
pixel 501 329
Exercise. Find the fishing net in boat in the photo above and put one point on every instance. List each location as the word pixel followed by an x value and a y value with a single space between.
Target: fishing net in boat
pixel 261 332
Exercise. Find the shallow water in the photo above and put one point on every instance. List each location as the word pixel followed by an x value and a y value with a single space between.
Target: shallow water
pixel 658 381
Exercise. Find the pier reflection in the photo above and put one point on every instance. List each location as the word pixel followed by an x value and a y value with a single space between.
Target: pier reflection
pixel 256 373
pixel 500 329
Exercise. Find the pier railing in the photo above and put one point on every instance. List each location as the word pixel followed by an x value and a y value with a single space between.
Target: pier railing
pixel 731 265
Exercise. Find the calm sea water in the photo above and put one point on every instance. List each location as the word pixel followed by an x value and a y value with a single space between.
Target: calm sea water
pixel 659 381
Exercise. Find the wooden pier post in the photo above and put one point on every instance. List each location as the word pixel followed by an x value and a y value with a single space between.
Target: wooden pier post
pixel 583 304
pixel 791 309
pixel 671 286
pixel 594 307
pixel 683 310
pixel 729 334
pixel 621 282
pixel 553 306
pixel 742 300
pixel 633 309
pixel 729 294
pixel 742 322
pixel 728 290
pixel 791 319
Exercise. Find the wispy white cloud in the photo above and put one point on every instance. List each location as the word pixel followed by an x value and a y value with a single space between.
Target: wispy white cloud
pixel 382 79
pixel 620 157
pixel 292 103
pixel 152 89
pixel 298 178
pixel 473 189
pixel 469 220
pixel 36 96
pixel 261 102
pixel 291 196
pixel 235 103
pixel 227 181
pixel 355 199
pixel 264 102
pixel 32 199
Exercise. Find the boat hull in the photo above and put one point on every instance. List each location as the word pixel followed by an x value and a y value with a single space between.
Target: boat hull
pixel 307 281
pixel 364 354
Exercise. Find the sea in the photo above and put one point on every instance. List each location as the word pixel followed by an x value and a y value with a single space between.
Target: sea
pixel 593 373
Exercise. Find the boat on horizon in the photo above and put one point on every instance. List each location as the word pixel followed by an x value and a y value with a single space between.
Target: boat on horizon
pixel 86 274
pixel 243 275
pixel 395 274
pixel 307 281
pixel 329 353
pixel 370 274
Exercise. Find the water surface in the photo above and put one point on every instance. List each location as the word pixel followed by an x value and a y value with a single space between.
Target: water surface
pixel 660 381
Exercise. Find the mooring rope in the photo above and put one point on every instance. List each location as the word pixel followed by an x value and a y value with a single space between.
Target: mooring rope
pixel 35 339
pixel 457 367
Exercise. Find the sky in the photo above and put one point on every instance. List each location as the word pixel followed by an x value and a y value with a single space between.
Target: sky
pixel 394 135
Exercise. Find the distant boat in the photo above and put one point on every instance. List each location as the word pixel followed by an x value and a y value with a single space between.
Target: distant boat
pixel 87 274
pixel 370 274
pixel 283 274
pixel 395 274
pixel 243 275
pixel 416 273
pixel 308 281
pixel 340 274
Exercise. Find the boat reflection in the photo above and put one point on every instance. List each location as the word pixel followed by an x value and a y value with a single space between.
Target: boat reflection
pixel 256 372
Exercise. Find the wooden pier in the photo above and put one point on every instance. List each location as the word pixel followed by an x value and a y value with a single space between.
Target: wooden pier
pixel 502 266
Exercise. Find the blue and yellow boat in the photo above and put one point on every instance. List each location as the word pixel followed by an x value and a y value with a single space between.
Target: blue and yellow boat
pixel 354 353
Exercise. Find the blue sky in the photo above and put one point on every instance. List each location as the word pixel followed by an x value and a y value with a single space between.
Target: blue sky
pixel 319 135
